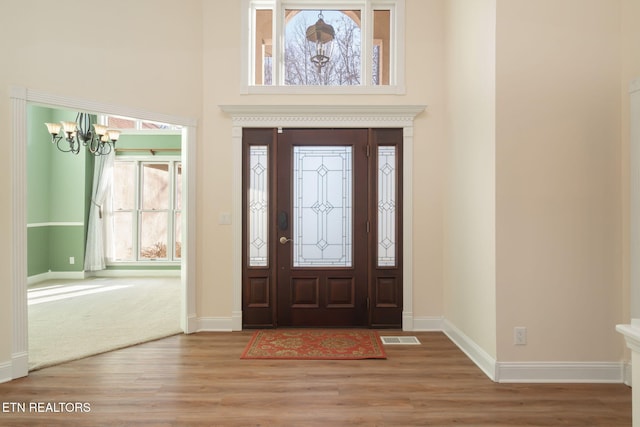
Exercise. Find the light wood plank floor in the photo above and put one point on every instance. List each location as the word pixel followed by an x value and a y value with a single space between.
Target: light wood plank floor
pixel 200 380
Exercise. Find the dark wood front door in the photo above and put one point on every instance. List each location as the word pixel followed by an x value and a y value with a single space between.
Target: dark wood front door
pixel 322 228
pixel 322 246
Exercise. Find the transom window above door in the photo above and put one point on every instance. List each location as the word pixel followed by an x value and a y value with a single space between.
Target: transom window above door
pixel 339 47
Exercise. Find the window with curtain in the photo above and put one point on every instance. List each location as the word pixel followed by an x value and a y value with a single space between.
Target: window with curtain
pixel 145 212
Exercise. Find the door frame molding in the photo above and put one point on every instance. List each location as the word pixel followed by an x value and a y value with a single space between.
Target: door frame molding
pixel 21 97
pixel 324 116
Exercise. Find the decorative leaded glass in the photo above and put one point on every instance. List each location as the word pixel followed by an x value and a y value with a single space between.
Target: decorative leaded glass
pixel 322 206
pixel 387 206
pixel 258 202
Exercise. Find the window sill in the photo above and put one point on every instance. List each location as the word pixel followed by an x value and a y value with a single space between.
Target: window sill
pixel 150 263
pixel 323 90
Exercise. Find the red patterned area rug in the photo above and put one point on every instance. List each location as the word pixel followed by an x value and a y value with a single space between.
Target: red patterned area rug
pixel 315 344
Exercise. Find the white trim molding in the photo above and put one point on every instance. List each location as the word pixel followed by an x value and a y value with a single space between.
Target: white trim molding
pixel 627 373
pixel 137 273
pixel 20 343
pixel 634 85
pixel 631 335
pixel 560 372
pixel 20 97
pixel 428 324
pixel 534 372
pixel 6 373
pixel 55 224
pixel 56 275
pixel 324 116
pixel 477 354
pixel 215 324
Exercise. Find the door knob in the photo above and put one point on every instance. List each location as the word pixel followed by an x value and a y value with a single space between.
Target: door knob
pixel 284 240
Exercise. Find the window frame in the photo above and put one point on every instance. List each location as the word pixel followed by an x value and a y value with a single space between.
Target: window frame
pixel 396 59
pixel 136 213
pixel 138 126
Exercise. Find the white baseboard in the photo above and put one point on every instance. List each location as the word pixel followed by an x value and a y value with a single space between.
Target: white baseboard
pixel 560 372
pixel 56 275
pixel 536 372
pixel 80 275
pixel 6 372
pixel 191 325
pixel 476 353
pixel 627 373
pixel 236 321
pixel 136 273
pixel 426 324
pixel 18 367
pixel 215 324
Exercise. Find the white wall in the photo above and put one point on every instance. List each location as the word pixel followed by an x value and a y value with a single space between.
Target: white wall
pixel 470 224
pixel 558 197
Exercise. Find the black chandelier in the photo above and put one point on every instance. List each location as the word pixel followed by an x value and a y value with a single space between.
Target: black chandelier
pixel 322 34
pixel 99 141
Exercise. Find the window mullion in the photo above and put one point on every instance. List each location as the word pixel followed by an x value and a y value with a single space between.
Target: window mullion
pixel 251 58
pixel 278 44
pixel 171 238
pixel 137 211
pixel 366 44
pixel 396 76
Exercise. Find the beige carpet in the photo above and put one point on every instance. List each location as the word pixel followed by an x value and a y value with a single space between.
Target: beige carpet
pixel 73 319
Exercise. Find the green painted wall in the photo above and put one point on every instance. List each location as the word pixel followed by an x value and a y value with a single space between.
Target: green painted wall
pixel 67 180
pixel 59 191
pixel 65 242
pixel 38 250
pixel 39 149
pixel 56 193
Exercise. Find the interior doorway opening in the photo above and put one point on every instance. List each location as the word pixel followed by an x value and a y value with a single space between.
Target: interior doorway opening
pixel 21 98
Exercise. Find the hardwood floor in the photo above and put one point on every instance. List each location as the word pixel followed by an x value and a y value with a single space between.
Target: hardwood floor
pixel 200 380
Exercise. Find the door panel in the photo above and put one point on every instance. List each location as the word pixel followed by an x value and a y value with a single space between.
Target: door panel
pixel 322 264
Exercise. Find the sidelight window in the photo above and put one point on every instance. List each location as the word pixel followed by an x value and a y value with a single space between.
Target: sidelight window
pixel 387 197
pixel 258 206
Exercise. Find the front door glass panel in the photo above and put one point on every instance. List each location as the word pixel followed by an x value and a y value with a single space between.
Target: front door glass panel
pixel 322 206
pixel 387 208
pixel 258 204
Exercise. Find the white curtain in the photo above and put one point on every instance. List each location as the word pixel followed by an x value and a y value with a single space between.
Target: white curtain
pixel 94 257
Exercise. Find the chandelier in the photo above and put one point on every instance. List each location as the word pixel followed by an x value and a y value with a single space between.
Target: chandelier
pixel 322 34
pixel 99 141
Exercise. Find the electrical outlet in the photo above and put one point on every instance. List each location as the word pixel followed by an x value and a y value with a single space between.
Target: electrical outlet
pixel 520 335
pixel 72 260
